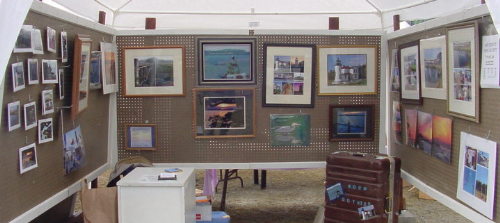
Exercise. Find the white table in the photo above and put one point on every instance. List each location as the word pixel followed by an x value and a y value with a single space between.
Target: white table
pixel 143 198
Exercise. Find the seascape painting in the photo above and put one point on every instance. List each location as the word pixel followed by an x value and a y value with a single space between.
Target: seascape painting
pixel 227 62
pixel 424 132
pixel 224 112
pixel 352 122
pixel 441 138
pixel 411 127
pixel 433 68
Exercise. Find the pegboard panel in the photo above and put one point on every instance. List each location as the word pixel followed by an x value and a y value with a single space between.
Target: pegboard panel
pixel 173 115
pixel 433 172
pixel 19 193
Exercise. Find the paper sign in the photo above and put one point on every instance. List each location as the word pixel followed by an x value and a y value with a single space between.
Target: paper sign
pixel 490 76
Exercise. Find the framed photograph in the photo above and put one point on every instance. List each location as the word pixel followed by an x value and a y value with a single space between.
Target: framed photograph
pixel 64 47
pixel 224 113
pixel 24 42
pixel 424 131
pixel 463 67
pixel 347 70
pixel 37 42
pixel 109 68
pixel 81 67
pixel 27 158
pixel 288 77
pixel 45 130
pixel 14 115
pixel 397 126
pixel 442 133
pixel 410 73
pixel 51 40
pixel 352 122
pixel 476 173
pixel 290 129
pixel 33 71
pixel 47 102
pixel 18 81
pixel 30 120
pixel 433 67
pixel 226 60
pixel 141 136
pixel 74 150
pixel 153 71
pixel 411 127
pixel 95 70
pixel 49 72
pixel 395 76
pixel 61 84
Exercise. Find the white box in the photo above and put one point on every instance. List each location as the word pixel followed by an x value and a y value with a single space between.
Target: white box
pixel 203 211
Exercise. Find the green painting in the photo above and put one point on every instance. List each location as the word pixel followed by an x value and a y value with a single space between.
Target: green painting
pixel 290 130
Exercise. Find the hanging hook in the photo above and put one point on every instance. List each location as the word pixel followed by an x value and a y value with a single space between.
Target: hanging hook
pixel 489 134
pixel 26 140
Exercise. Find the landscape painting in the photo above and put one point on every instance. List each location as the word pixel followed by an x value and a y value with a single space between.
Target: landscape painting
pixel 288 75
pixel 224 112
pixel 154 71
pixel 347 69
pixel 141 136
pixel 433 68
pixel 227 62
pixel 441 138
pixel 74 150
pixel 424 132
pixel 290 129
pixel 411 127
pixel 351 122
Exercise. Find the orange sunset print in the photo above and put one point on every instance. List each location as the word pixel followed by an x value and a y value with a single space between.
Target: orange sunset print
pixel 441 138
pixel 424 132
pixel 411 127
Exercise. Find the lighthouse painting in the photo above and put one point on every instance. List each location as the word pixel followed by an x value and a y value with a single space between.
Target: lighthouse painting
pixel 346 69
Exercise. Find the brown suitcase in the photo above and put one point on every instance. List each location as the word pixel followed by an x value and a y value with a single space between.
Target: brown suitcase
pixel 366 180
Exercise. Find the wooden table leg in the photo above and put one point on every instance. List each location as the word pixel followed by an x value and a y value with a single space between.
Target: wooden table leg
pixel 224 191
pixel 255 176
pixel 263 180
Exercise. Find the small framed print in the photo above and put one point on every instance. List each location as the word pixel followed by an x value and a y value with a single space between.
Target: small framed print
pixel 24 43
pixel 95 70
pixel 49 72
pixel 45 130
pixel 64 47
pixel 141 136
pixel 410 73
pixel 47 102
pixel 14 115
pixel 109 66
pixel 289 75
pixel 18 81
pixel 154 71
pixel 347 70
pixel 433 67
pixel 30 115
pixel 81 67
pixel 74 150
pixel 226 60
pixel 51 40
pixel 290 129
pixel 463 70
pixel 27 158
pixel 224 113
pixel 37 42
pixel 61 84
pixel 351 122
pixel 33 71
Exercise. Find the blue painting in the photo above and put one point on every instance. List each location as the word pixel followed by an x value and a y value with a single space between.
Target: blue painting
pixel 95 70
pixel 227 62
pixel 351 122
pixel 74 150
pixel 481 183
pixel 290 130
pixel 469 180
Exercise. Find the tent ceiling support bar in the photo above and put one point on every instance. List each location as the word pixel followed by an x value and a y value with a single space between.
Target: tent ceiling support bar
pixel 104 5
pixel 249 13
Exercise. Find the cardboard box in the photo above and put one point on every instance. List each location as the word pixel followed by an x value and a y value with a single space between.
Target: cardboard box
pixel 203 209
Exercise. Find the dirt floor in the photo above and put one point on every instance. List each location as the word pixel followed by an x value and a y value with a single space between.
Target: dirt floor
pixel 294 196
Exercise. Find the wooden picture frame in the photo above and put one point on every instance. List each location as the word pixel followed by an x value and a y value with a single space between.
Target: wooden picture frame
pixel 463 71
pixel 288 75
pixel 360 124
pixel 141 137
pixel 223 112
pixel 347 69
pixel 109 68
pixel 226 60
pixel 143 65
pixel 409 61
pixel 81 67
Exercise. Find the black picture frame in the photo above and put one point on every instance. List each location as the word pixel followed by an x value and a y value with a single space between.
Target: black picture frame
pixel 357 116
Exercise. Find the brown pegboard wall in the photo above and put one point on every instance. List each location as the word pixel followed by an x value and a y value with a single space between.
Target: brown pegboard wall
pixel 19 193
pixel 173 115
pixel 433 172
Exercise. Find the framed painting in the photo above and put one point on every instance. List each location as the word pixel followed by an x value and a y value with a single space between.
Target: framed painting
pixel 51 40
pixel 153 71
pixel 49 72
pixel 64 47
pixel 95 70
pixel 14 115
pixel 109 68
pixel 288 75
pixel 74 150
pixel 226 60
pixel 351 122
pixel 30 120
pixel 223 113
pixel 27 158
pixel 18 81
pixel 347 70
pixel 433 67
pixel 290 129
pixel 45 130
pixel 410 73
pixel 476 173
pixel 141 137
pixel 33 71
pixel 81 67
pixel 463 70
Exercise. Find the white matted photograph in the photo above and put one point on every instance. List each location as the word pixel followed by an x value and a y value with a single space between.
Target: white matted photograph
pixel 61 84
pixel 51 40
pixel 64 47
pixel 30 115
pixel 410 73
pixel 45 130
pixel 433 68
pixel 33 71
pixel 27 158
pixel 14 115
pixel 476 173
pixel 47 102
pixel 49 72
pixel 18 81
pixel 109 68
pixel 37 43
pixel 24 41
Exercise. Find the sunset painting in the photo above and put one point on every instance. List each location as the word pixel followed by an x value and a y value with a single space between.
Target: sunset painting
pixel 441 138
pixel 424 132
pixel 411 127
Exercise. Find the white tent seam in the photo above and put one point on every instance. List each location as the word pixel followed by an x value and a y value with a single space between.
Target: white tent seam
pixel 248 13
pixel 103 5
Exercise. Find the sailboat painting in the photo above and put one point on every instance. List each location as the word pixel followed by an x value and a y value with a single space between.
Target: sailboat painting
pixel 290 129
pixel 351 122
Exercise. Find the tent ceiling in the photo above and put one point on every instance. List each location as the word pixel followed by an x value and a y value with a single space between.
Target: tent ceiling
pixel 259 14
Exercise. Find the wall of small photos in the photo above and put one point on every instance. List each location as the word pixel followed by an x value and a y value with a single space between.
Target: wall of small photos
pixel 41 174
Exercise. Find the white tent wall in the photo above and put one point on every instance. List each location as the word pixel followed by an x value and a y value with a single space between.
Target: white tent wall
pixel 494 7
